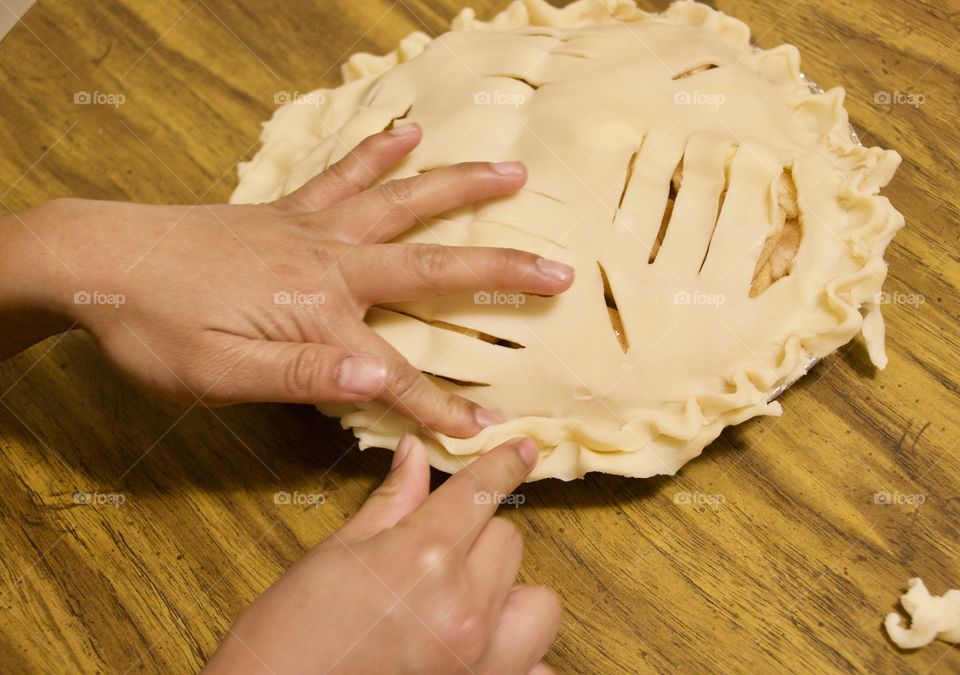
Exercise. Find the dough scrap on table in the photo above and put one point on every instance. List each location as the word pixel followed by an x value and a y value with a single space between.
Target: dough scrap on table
pixel 931 617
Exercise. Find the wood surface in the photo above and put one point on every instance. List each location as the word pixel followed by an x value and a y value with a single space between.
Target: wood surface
pixel 793 571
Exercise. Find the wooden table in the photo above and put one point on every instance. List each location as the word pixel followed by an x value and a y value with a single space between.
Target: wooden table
pixel 793 571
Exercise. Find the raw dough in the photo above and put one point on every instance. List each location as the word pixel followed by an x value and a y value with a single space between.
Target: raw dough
pixel 931 617
pixel 724 227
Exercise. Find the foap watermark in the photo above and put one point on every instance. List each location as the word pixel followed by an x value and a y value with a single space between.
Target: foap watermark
pixel 298 298
pixel 498 298
pixel 505 98
pixel 698 499
pixel 514 500
pixel 314 98
pixel 84 498
pixel 98 98
pixel 114 300
pixel 899 98
pixel 898 298
pixel 694 97
pixel 314 499
pixel 699 298
pixel 885 498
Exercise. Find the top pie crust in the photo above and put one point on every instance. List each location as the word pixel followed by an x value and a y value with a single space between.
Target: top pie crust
pixel 725 228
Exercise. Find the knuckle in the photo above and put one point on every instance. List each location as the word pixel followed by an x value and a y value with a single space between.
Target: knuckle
pixel 405 380
pixel 397 191
pixel 326 256
pixel 506 266
pixel 301 372
pixel 342 173
pixel 434 558
pixel 464 631
pixel 455 407
pixel 431 263
pixel 388 491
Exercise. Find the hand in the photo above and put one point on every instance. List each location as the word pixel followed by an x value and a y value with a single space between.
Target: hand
pixel 414 583
pixel 266 302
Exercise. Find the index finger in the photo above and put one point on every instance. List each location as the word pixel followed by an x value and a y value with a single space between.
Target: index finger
pixel 458 510
pixel 391 208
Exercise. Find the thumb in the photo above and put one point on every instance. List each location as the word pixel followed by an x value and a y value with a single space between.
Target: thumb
pixel 404 489
pixel 296 372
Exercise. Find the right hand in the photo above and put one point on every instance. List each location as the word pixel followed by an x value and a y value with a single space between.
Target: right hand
pixel 413 583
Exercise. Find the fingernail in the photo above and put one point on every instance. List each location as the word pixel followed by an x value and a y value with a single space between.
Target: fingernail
pixel 403 449
pixel 361 374
pixel 508 168
pixel 405 129
pixel 528 452
pixel 554 270
pixel 485 418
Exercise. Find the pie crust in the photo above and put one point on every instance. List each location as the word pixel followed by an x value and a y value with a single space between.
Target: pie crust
pixel 725 227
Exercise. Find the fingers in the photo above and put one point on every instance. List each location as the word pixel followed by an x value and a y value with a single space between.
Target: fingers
pixel 288 372
pixel 495 556
pixel 382 273
pixel 494 562
pixel 528 626
pixel 411 393
pixel 461 507
pixel 541 669
pixel 403 490
pixel 382 213
pixel 357 171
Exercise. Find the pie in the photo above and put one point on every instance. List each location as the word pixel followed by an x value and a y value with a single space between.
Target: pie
pixel 725 227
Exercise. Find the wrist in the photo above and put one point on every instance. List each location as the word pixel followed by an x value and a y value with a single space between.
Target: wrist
pixel 34 304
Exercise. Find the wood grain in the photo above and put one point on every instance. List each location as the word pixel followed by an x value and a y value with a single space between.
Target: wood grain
pixel 793 571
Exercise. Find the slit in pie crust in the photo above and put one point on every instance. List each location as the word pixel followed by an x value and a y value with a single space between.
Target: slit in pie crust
pixel 725 228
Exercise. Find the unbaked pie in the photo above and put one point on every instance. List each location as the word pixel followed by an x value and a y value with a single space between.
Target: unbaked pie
pixel 725 227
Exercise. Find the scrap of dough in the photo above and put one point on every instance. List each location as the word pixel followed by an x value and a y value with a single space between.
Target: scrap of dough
pixel 738 226
pixel 931 617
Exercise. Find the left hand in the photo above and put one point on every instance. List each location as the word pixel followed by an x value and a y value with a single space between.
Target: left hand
pixel 195 311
